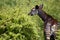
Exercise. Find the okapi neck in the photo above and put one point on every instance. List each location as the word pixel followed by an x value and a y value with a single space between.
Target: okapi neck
pixel 42 15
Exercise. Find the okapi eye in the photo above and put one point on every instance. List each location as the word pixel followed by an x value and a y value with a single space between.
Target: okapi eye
pixel 36 6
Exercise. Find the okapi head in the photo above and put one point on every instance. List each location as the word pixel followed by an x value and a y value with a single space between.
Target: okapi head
pixel 34 10
pixel 38 10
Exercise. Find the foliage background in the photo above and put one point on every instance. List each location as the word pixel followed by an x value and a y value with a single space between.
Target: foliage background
pixel 16 24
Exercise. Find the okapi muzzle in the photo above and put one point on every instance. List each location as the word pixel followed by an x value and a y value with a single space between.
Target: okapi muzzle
pixel 34 11
pixel 50 24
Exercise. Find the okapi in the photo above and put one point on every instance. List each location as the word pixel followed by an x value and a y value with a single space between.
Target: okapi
pixel 50 24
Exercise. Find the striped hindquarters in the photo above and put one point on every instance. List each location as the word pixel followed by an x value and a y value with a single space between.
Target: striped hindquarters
pixel 47 31
pixel 50 31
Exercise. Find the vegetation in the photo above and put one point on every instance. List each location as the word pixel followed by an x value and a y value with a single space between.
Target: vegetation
pixel 16 24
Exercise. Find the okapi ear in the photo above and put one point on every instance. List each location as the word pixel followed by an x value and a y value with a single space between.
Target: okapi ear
pixel 36 7
pixel 41 6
